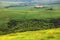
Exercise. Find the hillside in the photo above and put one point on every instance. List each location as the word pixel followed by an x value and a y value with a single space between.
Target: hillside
pixel 51 34
pixel 12 21
pixel 30 23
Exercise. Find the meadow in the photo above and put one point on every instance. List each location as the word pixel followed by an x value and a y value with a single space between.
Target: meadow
pixel 26 20
pixel 29 24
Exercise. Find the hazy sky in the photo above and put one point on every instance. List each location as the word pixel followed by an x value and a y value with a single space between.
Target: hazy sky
pixel 45 1
pixel 30 0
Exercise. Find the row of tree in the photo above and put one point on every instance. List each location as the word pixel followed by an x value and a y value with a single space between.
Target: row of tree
pixel 28 25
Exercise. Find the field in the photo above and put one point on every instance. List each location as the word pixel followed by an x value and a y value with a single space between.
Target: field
pixel 29 24
pixel 51 34
pixel 29 14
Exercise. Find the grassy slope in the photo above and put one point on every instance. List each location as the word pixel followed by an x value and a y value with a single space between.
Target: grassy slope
pixel 51 34
pixel 28 14
pixel 6 14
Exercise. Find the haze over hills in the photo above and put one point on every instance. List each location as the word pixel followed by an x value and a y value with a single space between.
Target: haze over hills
pixel 27 2
pixel 42 1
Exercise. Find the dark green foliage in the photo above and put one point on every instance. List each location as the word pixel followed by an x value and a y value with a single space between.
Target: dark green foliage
pixel 28 25
pixel 56 22
pixel 12 23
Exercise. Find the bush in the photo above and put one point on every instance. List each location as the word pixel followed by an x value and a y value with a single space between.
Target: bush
pixel 28 25
pixel 56 22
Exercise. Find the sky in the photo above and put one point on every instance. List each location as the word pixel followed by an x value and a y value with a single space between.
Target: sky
pixel 9 2
pixel 41 1
pixel 32 0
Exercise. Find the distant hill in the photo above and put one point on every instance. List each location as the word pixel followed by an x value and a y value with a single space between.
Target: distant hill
pixel 41 1
pixel 17 3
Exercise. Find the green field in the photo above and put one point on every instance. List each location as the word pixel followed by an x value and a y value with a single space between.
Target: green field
pixel 7 15
pixel 29 24
pixel 29 14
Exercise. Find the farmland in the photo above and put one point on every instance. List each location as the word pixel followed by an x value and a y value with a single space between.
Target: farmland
pixel 39 24
pixel 51 34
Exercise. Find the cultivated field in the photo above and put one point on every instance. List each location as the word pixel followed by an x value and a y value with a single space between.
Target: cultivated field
pixel 51 34
pixel 30 24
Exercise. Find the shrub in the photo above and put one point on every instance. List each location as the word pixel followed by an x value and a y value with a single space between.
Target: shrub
pixel 28 25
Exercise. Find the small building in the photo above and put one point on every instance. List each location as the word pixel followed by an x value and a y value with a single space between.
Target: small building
pixel 38 6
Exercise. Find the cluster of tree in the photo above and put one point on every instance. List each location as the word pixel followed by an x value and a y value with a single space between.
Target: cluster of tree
pixel 29 25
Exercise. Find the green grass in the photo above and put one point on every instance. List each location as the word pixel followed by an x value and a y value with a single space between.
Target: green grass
pixel 51 34
pixel 38 14
pixel 6 15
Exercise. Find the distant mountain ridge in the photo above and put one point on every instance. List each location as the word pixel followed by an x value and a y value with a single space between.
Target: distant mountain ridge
pixel 41 1
pixel 27 2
